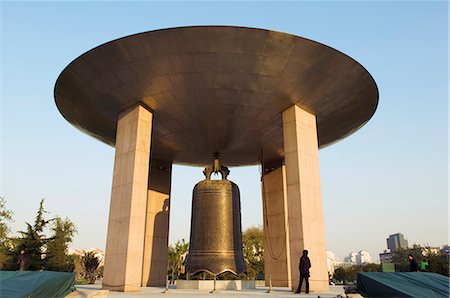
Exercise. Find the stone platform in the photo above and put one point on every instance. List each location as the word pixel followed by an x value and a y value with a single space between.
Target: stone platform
pixel 235 285
pixel 173 292
pixel 88 292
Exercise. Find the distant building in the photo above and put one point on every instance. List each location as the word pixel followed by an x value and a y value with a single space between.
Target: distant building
pixel 433 250
pixel 351 258
pixel 343 264
pixel 331 260
pixel 396 241
pixel 385 256
pixel 363 257
pixel 358 258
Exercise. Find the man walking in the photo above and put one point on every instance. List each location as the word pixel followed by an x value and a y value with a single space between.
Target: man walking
pixel 305 264
pixel 23 260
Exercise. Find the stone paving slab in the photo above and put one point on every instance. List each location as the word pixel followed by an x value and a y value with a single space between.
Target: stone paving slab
pixel 172 292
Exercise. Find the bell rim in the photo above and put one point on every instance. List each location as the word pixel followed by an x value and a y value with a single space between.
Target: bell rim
pixel 210 272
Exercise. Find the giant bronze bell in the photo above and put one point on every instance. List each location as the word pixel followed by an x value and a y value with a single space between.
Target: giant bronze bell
pixel 216 234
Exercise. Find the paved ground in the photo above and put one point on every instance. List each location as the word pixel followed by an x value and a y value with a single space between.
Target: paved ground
pixel 258 292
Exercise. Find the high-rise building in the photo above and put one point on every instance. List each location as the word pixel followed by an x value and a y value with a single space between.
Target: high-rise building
pixel 359 258
pixel 363 257
pixel 396 241
pixel 351 258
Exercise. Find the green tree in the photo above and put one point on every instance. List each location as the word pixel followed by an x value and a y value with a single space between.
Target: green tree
pixel 6 244
pixel 5 217
pixel 371 267
pixel 33 241
pixel 350 274
pixel 99 271
pixel 400 257
pixel 437 262
pixel 177 258
pixel 91 263
pixel 253 249
pixel 78 267
pixel 340 274
pixel 57 247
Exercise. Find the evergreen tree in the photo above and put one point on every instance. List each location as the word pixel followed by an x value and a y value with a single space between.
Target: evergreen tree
pixel 6 243
pixel 57 247
pixel 32 241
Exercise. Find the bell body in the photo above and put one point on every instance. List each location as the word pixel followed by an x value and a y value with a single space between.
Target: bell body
pixel 216 236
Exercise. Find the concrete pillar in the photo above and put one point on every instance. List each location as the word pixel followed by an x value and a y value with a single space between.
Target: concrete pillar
pixel 127 214
pixel 304 198
pixel 157 226
pixel 297 183
pixel 276 263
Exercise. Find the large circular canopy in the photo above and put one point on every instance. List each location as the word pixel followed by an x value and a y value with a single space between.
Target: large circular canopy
pixel 216 89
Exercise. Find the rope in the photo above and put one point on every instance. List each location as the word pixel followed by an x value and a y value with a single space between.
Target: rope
pixel 270 248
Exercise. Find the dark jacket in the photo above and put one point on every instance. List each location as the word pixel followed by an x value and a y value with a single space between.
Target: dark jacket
pixel 305 264
pixel 413 266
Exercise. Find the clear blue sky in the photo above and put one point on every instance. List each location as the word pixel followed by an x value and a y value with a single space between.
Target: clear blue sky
pixel 390 176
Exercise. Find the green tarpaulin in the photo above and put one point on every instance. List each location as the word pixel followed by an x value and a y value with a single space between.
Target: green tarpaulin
pixel 36 284
pixel 403 284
